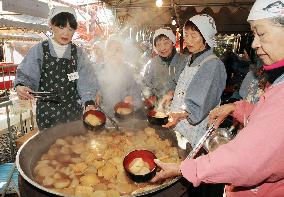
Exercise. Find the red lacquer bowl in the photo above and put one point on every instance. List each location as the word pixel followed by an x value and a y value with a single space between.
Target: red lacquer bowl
pixel 156 121
pixel 148 157
pixel 123 105
pixel 100 115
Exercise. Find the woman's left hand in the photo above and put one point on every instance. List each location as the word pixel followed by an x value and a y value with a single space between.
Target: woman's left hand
pixel 174 118
pixel 128 99
pixel 167 170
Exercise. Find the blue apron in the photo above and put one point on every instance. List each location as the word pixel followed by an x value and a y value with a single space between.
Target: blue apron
pixel 192 133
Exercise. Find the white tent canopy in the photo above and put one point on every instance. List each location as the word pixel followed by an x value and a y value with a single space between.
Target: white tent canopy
pixel 23 22
pixel 31 14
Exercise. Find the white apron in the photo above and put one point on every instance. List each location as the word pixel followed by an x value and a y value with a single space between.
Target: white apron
pixel 190 132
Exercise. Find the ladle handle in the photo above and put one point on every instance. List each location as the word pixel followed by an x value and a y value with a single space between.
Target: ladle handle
pixel 47 96
pixel 201 142
pixel 110 119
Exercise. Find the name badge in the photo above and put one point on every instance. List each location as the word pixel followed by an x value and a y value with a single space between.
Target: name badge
pixel 73 76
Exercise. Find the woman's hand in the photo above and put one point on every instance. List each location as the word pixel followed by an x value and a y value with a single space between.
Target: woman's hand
pixel 174 118
pixel 150 102
pixel 128 99
pixel 218 115
pixel 167 170
pixel 24 92
pixel 166 100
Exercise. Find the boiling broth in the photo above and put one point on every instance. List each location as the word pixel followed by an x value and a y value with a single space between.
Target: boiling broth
pixel 91 164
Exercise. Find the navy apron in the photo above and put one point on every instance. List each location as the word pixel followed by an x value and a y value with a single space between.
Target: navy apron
pixel 54 79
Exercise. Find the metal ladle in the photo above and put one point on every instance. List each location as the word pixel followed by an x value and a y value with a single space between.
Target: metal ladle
pixel 47 96
pixel 112 121
pixel 201 142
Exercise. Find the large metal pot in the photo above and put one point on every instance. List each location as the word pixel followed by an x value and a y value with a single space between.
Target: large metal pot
pixel 35 147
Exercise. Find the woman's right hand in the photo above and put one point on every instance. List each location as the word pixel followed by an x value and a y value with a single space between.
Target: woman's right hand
pixel 218 114
pixel 168 170
pixel 150 102
pixel 98 99
pixel 129 99
pixel 24 92
pixel 175 118
pixel 165 102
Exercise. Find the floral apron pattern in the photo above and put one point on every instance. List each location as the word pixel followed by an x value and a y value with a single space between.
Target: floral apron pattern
pixel 190 132
pixel 54 79
pixel 254 92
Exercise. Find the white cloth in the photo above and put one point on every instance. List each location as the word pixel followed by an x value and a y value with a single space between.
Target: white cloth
pixel 206 26
pixel 58 9
pixel 263 9
pixel 58 48
pixel 167 32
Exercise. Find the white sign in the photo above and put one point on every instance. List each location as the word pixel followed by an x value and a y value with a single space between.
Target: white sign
pixel 73 76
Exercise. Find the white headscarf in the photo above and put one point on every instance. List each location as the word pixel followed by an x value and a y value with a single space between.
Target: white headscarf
pixel 58 9
pixel 167 32
pixel 206 26
pixel 263 9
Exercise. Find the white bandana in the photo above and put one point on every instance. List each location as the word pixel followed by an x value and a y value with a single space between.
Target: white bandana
pixel 263 9
pixel 206 26
pixel 59 9
pixel 167 32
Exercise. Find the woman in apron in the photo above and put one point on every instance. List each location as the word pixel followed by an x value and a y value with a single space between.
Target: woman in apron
pixel 58 66
pixel 200 84
pixel 116 78
pixel 161 73
pixel 251 165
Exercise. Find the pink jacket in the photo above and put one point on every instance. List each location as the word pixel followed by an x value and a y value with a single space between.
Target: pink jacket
pixel 253 163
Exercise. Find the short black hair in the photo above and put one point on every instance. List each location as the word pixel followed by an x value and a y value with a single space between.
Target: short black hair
pixel 159 37
pixel 190 25
pixel 61 20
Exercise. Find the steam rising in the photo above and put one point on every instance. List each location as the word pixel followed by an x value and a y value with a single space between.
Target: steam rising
pixel 119 61
pixel 116 73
